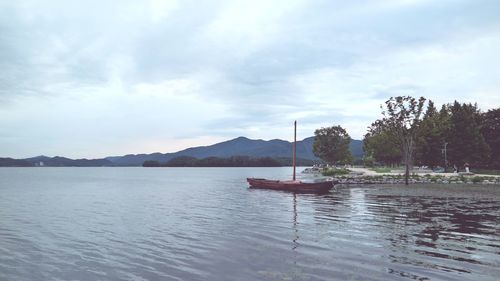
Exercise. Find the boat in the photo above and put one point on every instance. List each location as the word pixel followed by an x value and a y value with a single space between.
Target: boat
pixel 290 185
pixel 294 184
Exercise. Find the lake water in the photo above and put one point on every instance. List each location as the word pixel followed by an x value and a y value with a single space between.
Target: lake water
pixel 205 224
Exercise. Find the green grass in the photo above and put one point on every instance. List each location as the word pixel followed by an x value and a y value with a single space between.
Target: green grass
pixel 486 172
pixel 382 169
pixel 335 172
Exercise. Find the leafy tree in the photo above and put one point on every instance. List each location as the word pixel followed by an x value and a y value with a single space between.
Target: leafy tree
pixel 431 137
pixel 490 128
pixel 466 144
pixel 401 122
pixel 331 144
pixel 379 145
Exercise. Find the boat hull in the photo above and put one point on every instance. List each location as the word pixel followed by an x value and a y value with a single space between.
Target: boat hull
pixel 296 186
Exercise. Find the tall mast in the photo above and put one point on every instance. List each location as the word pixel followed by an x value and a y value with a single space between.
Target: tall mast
pixel 294 146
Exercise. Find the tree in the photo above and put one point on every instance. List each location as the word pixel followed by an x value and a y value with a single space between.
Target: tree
pixel 233 161
pixel 466 143
pixel 431 137
pixel 379 145
pixel 490 128
pixel 401 122
pixel 182 161
pixel 331 144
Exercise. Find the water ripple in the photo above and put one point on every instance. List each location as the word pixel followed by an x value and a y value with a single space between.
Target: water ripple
pixel 166 224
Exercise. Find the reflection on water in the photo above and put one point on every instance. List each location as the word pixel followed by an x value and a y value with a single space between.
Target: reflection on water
pixel 205 224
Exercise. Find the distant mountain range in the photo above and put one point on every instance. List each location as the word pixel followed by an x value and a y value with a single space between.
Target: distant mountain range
pixel 239 146
pixel 54 162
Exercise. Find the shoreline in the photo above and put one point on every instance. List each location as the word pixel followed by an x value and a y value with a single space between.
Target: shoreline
pixel 366 176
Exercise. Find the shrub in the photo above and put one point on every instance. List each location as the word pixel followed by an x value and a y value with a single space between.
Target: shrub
pixel 335 172
pixel 476 179
pixel 368 161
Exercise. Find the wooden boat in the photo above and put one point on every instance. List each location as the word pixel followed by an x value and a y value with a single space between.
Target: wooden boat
pixel 291 185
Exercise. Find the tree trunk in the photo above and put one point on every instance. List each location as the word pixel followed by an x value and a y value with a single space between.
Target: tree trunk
pixel 407 172
pixel 407 154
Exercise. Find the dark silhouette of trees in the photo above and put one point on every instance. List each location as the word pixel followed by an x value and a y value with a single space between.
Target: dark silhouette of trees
pixel 431 137
pixel 151 163
pixel 234 161
pixel 466 144
pixel 490 128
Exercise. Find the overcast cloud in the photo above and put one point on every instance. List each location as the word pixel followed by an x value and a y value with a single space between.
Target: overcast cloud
pixel 99 78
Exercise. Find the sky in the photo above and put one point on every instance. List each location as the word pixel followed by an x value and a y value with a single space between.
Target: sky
pixel 89 79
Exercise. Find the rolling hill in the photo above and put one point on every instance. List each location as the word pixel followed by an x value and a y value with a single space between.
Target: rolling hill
pixel 238 146
pixel 241 146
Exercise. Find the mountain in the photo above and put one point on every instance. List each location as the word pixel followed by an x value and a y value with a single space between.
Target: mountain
pixel 356 147
pixel 239 146
pixel 9 162
pixel 67 162
pixel 278 149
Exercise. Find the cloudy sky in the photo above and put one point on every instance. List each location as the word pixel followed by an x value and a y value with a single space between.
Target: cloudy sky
pixel 100 78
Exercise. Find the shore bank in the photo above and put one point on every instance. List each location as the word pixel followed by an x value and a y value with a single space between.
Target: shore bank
pixel 366 176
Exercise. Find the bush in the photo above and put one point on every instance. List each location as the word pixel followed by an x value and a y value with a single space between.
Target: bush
pixel 368 161
pixel 335 172
pixel 477 179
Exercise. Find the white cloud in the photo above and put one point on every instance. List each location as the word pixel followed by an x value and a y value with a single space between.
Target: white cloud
pixel 162 8
pixel 97 78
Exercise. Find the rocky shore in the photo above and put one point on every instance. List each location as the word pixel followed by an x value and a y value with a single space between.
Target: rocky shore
pixel 357 175
pixel 416 179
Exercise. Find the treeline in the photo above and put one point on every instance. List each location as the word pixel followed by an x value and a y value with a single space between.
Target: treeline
pixel 54 162
pixel 459 130
pixel 234 161
pixel 9 162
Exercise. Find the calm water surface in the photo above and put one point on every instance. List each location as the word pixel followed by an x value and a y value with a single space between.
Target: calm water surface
pixel 205 224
